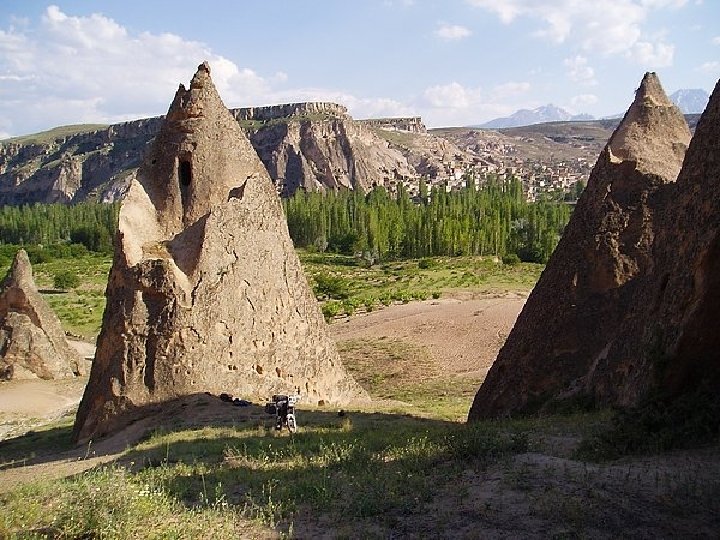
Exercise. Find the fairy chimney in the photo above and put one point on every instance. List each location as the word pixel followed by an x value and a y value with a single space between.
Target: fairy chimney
pixel 206 293
pixel 585 293
pixel 670 338
pixel 32 342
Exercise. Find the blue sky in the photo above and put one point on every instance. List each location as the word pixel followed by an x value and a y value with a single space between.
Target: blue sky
pixel 454 62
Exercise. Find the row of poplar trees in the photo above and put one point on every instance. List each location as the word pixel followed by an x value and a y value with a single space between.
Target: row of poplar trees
pixel 494 220
pixel 90 224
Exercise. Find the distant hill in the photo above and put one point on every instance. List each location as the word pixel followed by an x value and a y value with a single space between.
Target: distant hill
pixel 528 117
pixel 690 100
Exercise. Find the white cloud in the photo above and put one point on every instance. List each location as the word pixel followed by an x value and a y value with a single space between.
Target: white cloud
pixel 579 71
pixel 652 55
pixel 452 96
pixel 510 89
pixel 583 100
pixel 710 67
pixel 401 3
pixel 605 26
pixel 453 104
pixel 716 40
pixel 68 70
pixel 452 32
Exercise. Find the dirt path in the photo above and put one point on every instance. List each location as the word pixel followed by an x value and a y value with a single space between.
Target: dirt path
pixel 463 335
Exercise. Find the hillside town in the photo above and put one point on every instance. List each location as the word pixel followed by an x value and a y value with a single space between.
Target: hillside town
pixel 477 156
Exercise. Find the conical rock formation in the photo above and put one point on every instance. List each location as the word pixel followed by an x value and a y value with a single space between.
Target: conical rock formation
pixel 670 338
pixel 32 342
pixel 581 299
pixel 206 293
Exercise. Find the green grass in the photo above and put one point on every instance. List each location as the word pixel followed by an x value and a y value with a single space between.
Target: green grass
pixel 254 125
pixel 80 310
pixel 359 470
pixel 399 371
pixel 49 136
pixel 404 281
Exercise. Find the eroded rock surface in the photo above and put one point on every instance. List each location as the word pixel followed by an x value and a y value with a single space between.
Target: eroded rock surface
pixel 669 344
pixel 32 342
pixel 584 296
pixel 206 293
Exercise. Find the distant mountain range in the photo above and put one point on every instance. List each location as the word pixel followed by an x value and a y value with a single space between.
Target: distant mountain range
pixel 528 117
pixel 689 100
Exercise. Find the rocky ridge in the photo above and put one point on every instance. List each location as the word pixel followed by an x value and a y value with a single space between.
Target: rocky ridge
pixel 582 299
pixel 206 293
pixel 32 343
pixel 315 146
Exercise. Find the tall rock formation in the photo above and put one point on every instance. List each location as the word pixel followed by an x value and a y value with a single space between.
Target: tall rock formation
pixel 206 292
pixel 670 343
pixel 584 295
pixel 32 342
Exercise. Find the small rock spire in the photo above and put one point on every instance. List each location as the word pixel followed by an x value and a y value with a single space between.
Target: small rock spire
pixel 653 133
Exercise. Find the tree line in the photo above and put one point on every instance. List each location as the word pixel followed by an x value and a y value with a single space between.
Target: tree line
pixel 90 224
pixel 57 231
pixel 494 220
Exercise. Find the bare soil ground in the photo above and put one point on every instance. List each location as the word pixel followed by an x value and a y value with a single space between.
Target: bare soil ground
pixel 461 334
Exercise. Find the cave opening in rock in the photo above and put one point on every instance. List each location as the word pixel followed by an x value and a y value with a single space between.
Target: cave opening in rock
pixel 185 173
pixel 185 178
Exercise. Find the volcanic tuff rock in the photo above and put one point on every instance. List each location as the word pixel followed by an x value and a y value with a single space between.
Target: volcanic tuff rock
pixel 669 343
pixel 330 153
pixel 582 298
pixel 32 343
pixel 206 292
pixel 314 145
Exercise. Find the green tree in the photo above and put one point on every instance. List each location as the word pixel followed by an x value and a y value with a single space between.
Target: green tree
pixel 66 280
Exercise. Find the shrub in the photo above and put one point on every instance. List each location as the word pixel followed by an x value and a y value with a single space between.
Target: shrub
pixel 436 295
pixel 331 309
pixel 350 305
pixel 657 425
pixel 419 295
pixel 331 286
pixel 426 263
pixel 66 280
pixel 511 259
pixel 38 255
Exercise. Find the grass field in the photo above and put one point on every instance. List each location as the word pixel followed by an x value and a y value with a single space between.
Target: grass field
pixel 80 310
pixel 345 285
pixel 375 473
pixel 406 466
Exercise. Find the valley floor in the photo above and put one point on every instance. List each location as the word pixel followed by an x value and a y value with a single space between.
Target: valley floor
pixel 406 467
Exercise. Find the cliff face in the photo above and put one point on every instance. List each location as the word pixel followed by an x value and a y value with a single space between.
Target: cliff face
pixel 327 154
pixel 311 145
pixel 96 165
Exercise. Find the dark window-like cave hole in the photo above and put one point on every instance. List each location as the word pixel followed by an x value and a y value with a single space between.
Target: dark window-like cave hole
pixel 185 179
pixel 185 173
